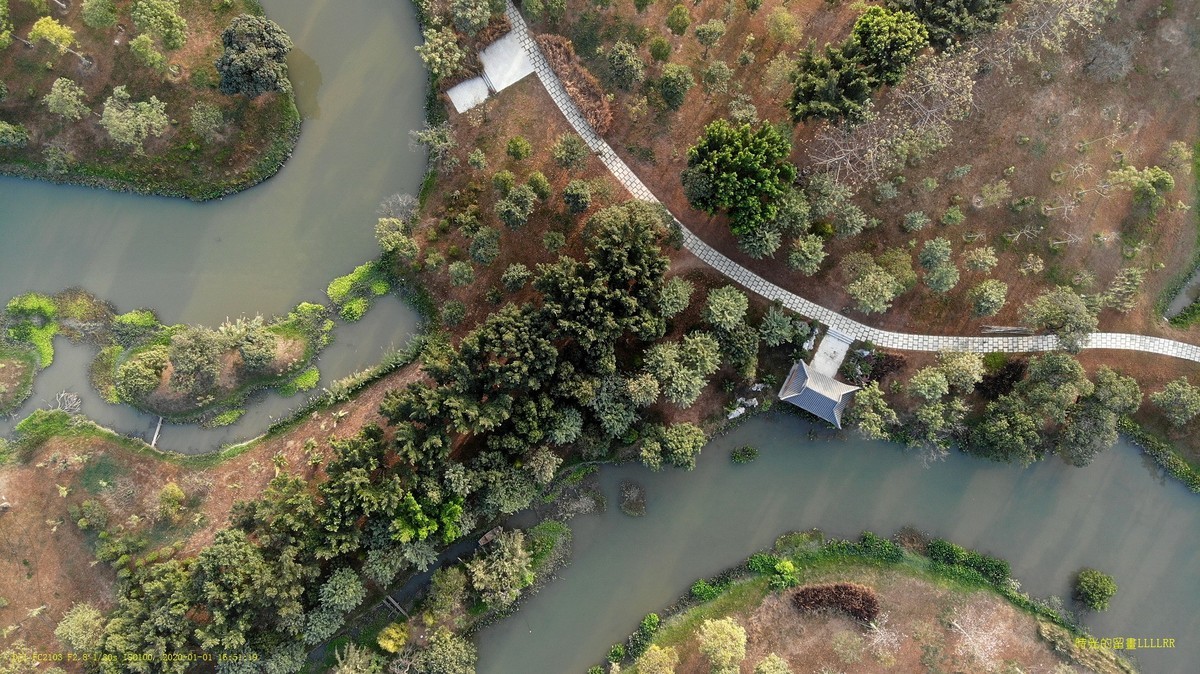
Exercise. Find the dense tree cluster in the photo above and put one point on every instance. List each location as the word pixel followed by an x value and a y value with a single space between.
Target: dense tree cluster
pixel 742 169
pixel 254 58
pixel 837 83
pixel 528 380
pixel 1057 409
pixel 949 21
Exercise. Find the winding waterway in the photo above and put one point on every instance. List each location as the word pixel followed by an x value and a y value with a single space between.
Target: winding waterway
pixel 1119 515
pixel 359 86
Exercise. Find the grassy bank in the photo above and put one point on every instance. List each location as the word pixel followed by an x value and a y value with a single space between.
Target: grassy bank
pixel 17 367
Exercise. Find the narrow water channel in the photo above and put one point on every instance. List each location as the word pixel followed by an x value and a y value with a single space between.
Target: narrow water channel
pixel 1118 515
pixel 359 86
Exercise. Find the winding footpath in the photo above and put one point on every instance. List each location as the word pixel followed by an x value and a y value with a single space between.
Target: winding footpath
pixel 836 322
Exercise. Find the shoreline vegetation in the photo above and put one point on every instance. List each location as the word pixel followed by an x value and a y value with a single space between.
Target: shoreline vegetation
pixel 870 594
pixel 140 96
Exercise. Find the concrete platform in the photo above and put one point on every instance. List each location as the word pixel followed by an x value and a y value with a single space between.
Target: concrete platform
pixel 830 353
pixel 505 62
pixel 466 95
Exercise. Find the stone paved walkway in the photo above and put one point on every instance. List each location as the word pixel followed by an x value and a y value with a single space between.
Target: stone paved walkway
pixel 828 317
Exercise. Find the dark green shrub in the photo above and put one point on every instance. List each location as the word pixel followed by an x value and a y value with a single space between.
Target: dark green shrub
pixel 453 313
pixel 1094 588
pixel 503 182
pixel 702 590
pixel 744 454
pixel 540 185
pixel 577 196
pixel 945 552
pixel 639 641
pixel 616 653
pixel 554 241
pixel 882 549
pixel 762 562
pixel 660 49
pixel 995 570
pixel 485 246
pixel 515 277
pixel 784 575
pixel 258 350
pixel 519 148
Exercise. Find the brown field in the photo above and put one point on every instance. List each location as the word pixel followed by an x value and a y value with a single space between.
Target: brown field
pixel 1054 102
pixel 920 611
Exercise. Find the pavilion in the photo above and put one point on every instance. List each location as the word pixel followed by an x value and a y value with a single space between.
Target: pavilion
pixel 817 393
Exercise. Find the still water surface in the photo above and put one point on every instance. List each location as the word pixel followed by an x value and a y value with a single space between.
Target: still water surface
pixel 360 89
pixel 1050 520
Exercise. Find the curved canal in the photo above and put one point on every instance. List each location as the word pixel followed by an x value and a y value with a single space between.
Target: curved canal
pixel 359 87
pixel 1119 515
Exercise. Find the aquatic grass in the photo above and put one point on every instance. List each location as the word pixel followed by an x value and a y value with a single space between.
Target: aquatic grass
pixel 226 418
pixel 306 380
pixel 32 320
pixel 31 306
pixel 546 542
pixel 352 294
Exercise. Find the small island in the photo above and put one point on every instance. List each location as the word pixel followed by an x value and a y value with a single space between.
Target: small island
pixel 152 96
pixel 818 604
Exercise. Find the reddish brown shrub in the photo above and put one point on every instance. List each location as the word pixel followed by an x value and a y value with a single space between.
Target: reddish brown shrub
pixel 579 82
pixel 497 28
pixel 857 601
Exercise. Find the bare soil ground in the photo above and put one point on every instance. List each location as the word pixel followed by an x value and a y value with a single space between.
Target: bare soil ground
pixel 1051 106
pixel 525 110
pixel 919 611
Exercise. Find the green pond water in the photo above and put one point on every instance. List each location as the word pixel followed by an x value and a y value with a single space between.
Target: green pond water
pixel 360 89
pixel 1119 515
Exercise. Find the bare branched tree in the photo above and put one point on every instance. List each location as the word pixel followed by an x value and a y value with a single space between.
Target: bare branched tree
pixel 400 206
pixel 68 402
pixel 981 638
pixel 882 637
pixel 1040 26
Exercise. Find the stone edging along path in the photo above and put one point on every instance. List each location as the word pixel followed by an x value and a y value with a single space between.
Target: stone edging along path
pixel 834 320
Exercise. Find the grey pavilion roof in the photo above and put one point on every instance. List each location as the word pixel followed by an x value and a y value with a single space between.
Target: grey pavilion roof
pixel 819 394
